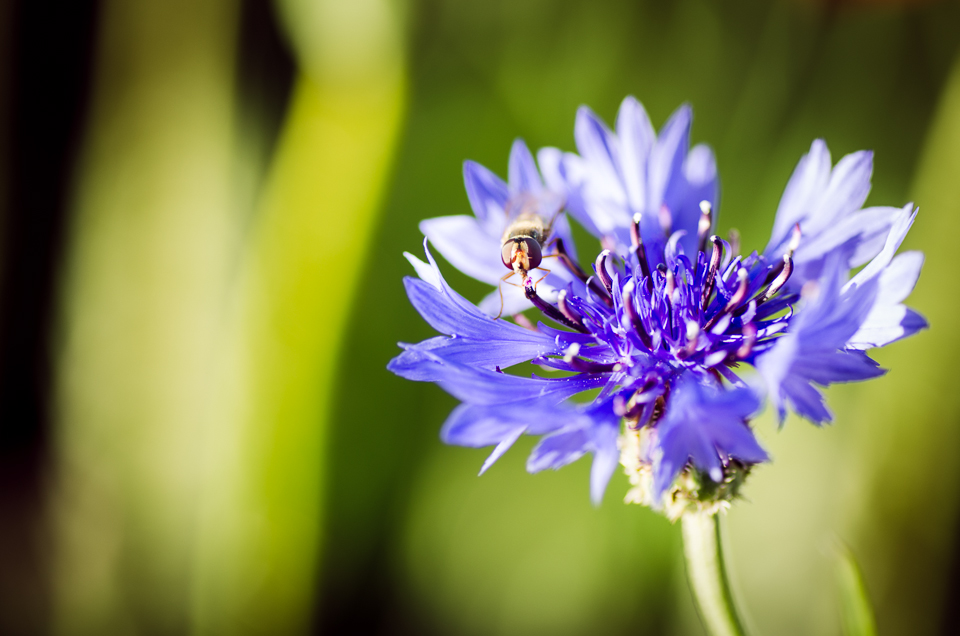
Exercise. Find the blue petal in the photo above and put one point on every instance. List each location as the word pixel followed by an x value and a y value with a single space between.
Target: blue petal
pixel 477 426
pixel 606 454
pixel 807 401
pixel 502 424
pixel 889 320
pixel 600 174
pixel 522 172
pixel 898 231
pixel 595 431
pixel 449 317
pixel 637 138
pixel 886 325
pixel 699 182
pixel 466 245
pixel 415 364
pixel 557 450
pixel 846 192
pixel 478 339
pixel 596 143
pixel 826 204
pixel 481 386
pixel 502 448
pixel 508 299
pixel 702 422
pixel 680 181
pixel 669 153
pixel 561 174
pixel 812 351
pixel 488 196
pixel 809 180
pixel 450 314
pixel 837 366
pixel 562 230
pixel 864 231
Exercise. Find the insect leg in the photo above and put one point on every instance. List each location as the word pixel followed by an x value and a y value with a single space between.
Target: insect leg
pixel 500 289
pixel 542 269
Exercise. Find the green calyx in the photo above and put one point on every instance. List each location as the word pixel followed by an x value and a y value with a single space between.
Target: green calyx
pixel 692 490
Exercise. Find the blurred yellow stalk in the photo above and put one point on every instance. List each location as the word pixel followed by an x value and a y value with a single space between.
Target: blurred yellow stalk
pixel 192 399
pixel 261 513
pixel 263 484
pixel 143 301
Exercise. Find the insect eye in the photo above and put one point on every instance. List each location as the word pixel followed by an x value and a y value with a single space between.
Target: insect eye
pixel 506 253
pixel 534 255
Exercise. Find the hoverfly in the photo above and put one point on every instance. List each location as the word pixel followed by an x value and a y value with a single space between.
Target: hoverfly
pixel 523 241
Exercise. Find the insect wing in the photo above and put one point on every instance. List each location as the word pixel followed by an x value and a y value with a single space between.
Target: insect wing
pixel 521 204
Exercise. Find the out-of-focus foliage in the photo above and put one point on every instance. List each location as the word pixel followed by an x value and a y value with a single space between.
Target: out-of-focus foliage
pixel 144 278
pixel 910 435
pixel 232 456
pixel 261 514
pixel 194 398
pixel 856 609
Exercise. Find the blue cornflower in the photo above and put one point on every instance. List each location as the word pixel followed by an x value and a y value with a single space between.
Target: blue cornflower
pixel 656 340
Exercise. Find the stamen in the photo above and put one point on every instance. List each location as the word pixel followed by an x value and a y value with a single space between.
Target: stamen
pixel 792 246
pixel 524 322
pixel 711 272
pixel 564 257
pixel 738 297
pixel 571 352
pixel 639 402
pixel 741 294
pixel 666 220
pixel 795 237
pixel 658 408
pixel 577 271
pixel 570 356
pixel 634 318
pixel 635 239
pixel 810 290
pixel 693 338
pixel 586 366
pixel 703 227
pixel 575 363
pixel 777 283
pixel 568 311
pixel 619 406
pixel 734 240
pixel 638 247
pixel 749 339
pixel 549 310
pixel 602 273
pixel 669 285
pixel 635 414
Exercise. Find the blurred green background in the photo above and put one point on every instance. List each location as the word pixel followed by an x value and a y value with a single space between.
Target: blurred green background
pixel 204 206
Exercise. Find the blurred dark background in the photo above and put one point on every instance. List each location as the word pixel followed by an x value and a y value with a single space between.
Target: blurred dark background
pixel 203 207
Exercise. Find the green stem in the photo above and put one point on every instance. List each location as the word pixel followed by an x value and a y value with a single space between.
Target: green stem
pixel 703 550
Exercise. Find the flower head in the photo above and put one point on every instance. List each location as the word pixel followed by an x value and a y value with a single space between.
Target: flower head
pixel 663 329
